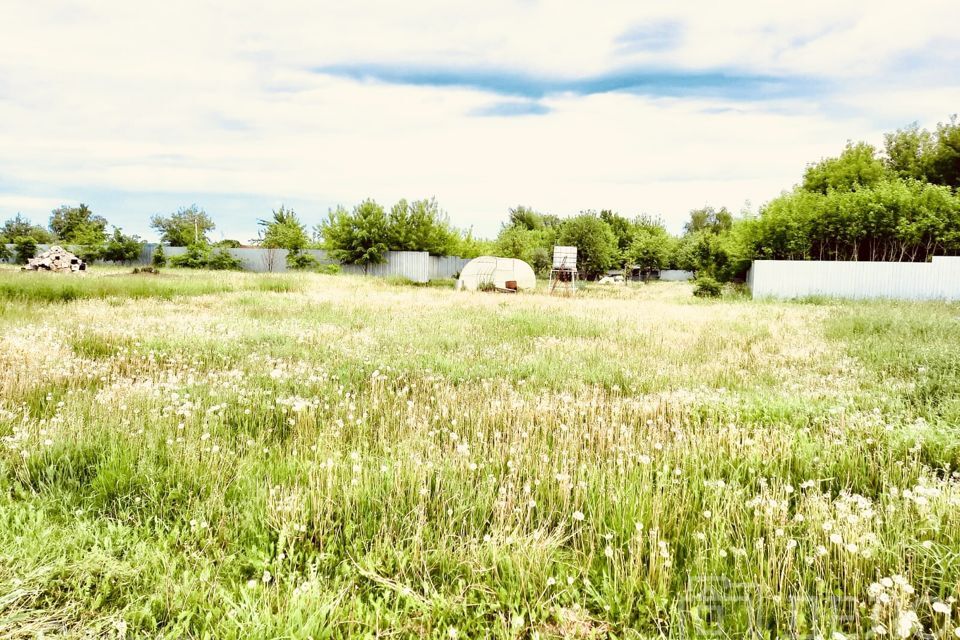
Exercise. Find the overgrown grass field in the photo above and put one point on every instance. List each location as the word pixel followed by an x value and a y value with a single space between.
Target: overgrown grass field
pixel 303 456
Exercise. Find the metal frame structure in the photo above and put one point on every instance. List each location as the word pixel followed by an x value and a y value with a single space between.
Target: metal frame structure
pixel 563 274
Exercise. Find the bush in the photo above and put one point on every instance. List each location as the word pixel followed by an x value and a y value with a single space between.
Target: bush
pixel 122 248
pixel 196 257
pixel 199 256
pixel 299 261
pixel 707 287
pixel 159 258
pixel 331 269
pixel 90 253
pixel 25 248
pixel 5 255
pixel 223 261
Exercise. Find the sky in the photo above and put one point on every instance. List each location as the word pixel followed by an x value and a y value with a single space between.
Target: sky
pixel 640 107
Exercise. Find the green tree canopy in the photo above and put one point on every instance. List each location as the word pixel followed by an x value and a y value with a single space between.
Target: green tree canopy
pixel 945 163
pixel 710 220
pixel 421 226
pixel 533 246
pixel 78 225
pixel 357 237
pixel 187 226
pixel 121 248
pixel 857 166
pixel 24 249
pixel 623 230
pixel 918 154
pixel 470 247
pixel 595 242
pixel 909 152
pixel 650 249
pixel 284 231
pixel 891 220
pixel 18 226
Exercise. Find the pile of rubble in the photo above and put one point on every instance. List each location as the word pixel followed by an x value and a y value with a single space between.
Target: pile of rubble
pixel 56 259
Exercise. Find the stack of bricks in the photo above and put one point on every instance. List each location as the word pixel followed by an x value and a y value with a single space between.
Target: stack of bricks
pixel 56 259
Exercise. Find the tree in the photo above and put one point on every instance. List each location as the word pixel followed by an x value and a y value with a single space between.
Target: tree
pixel 531 246
pixel 359 237
pixel 470 247
pixel 185 227
pixel 78 225
pixel 25 247
pixel 709 219
pixel 909 152
pixel 650 250
pixel 122 248
pixel 692 251
pixel 945 160
pixel 18 226
pixel 525 218
pixel 283 231
pixel 88 242
pixel 857 165
pixel 421 226
pixel 595 242
pixel 891 220
pixel 5 254
pixel 159 258
pixel 914 153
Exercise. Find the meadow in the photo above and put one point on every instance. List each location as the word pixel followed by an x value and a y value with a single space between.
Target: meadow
pixel 198 455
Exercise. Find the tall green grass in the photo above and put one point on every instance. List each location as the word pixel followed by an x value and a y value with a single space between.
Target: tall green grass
pixel 339 457
pixel 59 288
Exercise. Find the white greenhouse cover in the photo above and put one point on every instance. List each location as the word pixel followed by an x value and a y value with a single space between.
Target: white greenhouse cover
pixel 489 269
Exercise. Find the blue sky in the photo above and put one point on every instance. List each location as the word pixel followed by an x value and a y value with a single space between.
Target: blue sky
pixel 642 108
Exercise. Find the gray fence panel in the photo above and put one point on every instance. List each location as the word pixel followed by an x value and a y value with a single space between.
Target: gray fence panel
pixel 418 266
pixel 258 259
pixel 414 265
pixel 936 280
pixel 446 266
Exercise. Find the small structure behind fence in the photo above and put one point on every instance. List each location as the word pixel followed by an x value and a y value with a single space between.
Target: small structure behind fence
pixel 936 280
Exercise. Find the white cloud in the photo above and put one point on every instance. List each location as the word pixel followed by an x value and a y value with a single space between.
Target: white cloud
pixel 204 100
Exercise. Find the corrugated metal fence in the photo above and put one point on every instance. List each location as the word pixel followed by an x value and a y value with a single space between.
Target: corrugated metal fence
pixel 418 266
pixel 255 258
pixel 446 266
pixel 936 280
pixel 414 265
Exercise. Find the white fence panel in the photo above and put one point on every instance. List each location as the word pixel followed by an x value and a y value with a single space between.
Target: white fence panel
pixel 937 280
pixel 675 275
